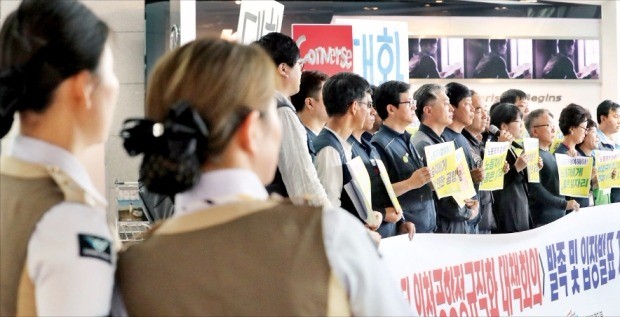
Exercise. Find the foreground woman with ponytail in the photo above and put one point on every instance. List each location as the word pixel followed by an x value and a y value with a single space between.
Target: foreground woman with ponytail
pixel 212 138
pixel 56 71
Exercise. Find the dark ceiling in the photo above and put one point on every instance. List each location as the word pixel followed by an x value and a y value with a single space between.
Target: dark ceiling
pixel 213 16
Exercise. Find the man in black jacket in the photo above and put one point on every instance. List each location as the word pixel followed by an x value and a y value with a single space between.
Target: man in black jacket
pixel 409 177
pixel 435 113
pixel 546 203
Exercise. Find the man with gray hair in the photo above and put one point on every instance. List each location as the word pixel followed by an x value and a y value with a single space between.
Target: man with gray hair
pixel 435 113
pixel 546 203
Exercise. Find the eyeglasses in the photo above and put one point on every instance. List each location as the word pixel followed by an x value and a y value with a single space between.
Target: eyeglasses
pixel 368 104
pixel 410 102
pixel 542 125
pixel 301 64
pixel 584 129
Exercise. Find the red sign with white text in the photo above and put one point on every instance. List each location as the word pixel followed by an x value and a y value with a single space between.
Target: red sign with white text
pixel 325 47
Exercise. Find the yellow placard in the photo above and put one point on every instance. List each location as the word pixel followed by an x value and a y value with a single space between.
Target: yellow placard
pixel 530 146
pixel 606 162
pixel 442 162
pixel 556 142
pixel 575 174
pixel 388 186
pixel 493 165
pixel 467 190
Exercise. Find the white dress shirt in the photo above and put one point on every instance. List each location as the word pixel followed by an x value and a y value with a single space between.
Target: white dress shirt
pixel 294 161
pixel 350 252
pixel 66 283
pixel 329 169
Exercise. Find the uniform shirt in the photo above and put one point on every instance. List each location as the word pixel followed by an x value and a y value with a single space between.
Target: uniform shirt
pixel 608 144
pixel 329 168
pixel 65 282
pixel 294 162
pixel 372 291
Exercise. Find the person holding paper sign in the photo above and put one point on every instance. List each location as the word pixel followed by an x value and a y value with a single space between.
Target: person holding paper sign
pixel 573 124
pixel 608 117
pixel 296 176
pixel 461 101
pixel 511 203
pixel 546 203
pixel 348 102
pixel 410 178
pixel 473 134
pixel 232 251
pixel 586 148
pixel 435 113
pixel 393 221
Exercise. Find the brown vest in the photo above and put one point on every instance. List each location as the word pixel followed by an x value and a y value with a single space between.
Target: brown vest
pixel 27 191
pixel 253 258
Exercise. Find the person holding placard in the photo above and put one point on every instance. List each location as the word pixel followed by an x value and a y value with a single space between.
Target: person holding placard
pixel 309 105
pixel 586 148
pixel 463 116
pixel 473 134
pixel 608 117
pixel 435 113
pixel 546 203
pixel 511 203
pixel 393 221
pixel 410 178
pixel 573 124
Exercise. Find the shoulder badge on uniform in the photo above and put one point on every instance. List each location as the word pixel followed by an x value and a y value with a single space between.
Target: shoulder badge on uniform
pixel 95 247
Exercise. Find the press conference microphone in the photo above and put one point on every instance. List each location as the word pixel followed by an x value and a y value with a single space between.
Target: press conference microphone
pixel 496 132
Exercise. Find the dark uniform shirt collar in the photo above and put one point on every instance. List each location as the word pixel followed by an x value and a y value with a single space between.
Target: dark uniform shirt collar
pixel 428 131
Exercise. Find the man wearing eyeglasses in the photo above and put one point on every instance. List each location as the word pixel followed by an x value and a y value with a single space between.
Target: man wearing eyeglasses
pixel 436 113
pixel 347 100
pixel 408 175
pixel 296 176
pixel 546 203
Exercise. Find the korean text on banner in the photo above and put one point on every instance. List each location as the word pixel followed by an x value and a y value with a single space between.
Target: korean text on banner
pixel 530 146
pixel 257 18
pixel 493 165
pixel 467 190
pixel 569 267
pixel 380 49
pixel 325 47
pixel 442 163
pixel 575 174
pixel 606 162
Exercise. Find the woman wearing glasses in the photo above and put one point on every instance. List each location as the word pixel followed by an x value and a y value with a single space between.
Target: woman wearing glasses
pixel 574 126
pixel 511 203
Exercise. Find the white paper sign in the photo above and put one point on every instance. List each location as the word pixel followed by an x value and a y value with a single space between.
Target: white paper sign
pixel 257 18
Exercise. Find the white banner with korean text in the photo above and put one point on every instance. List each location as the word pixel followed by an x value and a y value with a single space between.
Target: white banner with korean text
pixel 567 268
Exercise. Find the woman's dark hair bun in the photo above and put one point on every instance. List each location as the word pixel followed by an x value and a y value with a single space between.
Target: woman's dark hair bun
pixel 174 150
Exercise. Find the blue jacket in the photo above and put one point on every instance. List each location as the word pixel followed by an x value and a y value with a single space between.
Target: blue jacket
pixel 380 199
pixel 401 159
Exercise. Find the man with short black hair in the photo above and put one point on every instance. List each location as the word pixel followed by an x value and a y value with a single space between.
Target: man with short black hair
pixel 296 176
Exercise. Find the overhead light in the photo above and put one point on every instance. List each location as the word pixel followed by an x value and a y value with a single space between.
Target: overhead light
pixel 438 1
pixel 504 8
pixel 371 8
pixel 238 2
pixel 496 8
pixel 427 5
pixel 529 1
